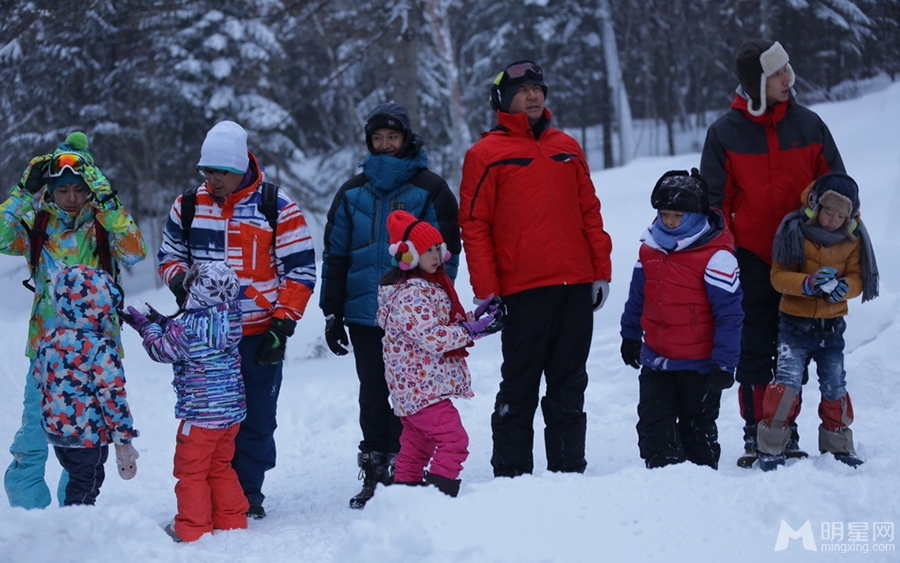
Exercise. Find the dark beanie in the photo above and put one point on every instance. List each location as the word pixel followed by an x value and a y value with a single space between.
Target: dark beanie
pixel 389 115
pixel 680 190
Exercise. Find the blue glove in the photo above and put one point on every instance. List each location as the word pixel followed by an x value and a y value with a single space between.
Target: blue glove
pixel 839 293
pixel 815 280
pixel 488 324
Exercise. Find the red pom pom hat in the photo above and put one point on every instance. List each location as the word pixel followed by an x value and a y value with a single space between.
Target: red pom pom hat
pixel 410 237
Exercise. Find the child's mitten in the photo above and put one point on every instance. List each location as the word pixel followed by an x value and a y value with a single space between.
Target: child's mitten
pixel 126 457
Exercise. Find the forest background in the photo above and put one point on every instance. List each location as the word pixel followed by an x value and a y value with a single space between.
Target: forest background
pixel 145 79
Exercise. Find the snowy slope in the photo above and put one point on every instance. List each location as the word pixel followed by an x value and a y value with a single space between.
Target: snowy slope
pixel 616 511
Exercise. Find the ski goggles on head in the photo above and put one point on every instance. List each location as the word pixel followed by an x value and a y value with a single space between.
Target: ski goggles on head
pixel 524 68
pixel 60 162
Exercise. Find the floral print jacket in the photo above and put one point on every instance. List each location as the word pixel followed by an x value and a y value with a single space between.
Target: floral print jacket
pixel 415 316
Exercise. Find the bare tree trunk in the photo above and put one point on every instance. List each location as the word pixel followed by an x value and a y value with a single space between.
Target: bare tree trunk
pixel 616 85
pixel 437 20
pixel 407 23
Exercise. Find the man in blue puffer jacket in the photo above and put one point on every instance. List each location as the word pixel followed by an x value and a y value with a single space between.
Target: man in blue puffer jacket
pixel 394 176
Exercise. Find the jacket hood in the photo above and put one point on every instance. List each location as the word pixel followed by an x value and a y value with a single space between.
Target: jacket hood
pixel 86 298
pixel 387 173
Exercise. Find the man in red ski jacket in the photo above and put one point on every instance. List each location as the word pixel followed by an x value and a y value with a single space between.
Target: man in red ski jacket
pixel 757 160
pixel 533 236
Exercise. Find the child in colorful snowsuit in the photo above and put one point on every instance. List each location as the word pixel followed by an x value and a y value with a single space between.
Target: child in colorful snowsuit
pixel 823 256
pixel 685 302
pixel 202 345
pixel 78 370
pixel 426 333
pixel 62 212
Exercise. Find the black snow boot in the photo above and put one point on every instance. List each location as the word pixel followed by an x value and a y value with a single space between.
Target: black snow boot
pixel 449 487
pixel 750 439
pixel 374 468
pixel 792 449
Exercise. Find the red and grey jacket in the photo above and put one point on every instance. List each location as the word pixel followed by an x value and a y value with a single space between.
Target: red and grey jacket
pixel 277 277
pixel 756 167
pixel 528 211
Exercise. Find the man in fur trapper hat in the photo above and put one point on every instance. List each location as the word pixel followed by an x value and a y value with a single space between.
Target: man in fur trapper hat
pixel 823 257
pixel 757 61
pixel 757 159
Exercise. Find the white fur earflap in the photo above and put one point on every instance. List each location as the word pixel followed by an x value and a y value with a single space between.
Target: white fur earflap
pixel 771 60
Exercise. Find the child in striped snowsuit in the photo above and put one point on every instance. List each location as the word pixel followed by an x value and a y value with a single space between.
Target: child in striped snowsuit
pixel 202 345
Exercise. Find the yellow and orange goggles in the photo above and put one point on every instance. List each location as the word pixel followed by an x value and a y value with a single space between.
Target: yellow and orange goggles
pixel 60 162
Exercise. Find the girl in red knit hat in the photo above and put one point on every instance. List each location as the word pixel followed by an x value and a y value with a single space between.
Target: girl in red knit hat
pixel 426 335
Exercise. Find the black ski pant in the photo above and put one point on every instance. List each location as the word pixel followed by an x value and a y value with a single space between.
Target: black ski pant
pixel 547 332
pixel 86 473
pixel 759 336
pixel 380 426
pixel 677 415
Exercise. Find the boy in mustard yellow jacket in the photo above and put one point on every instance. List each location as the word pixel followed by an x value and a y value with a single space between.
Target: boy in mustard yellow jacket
pixel 822 256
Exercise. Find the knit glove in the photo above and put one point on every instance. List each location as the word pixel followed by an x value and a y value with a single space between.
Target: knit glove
pixel 271 346
pixel 33 177
pixel 126 460
pixel 837 291
pixel 490 322
pixel 631 352
pixel 818 278
pixel 176 286
pixel 599 293
pixel 720 379
pixel 134 318
pixel 336 335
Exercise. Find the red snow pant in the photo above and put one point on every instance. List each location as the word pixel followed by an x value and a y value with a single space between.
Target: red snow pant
pixel 434 434
pixel 208 491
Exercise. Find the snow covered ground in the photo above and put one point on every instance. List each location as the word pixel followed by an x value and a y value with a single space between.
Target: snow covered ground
pixel 616 511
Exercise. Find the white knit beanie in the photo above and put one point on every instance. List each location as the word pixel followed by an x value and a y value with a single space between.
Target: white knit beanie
pixel 225 148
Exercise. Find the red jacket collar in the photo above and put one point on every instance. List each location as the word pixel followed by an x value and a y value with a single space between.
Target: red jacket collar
pixel 773 114
pixel 517 123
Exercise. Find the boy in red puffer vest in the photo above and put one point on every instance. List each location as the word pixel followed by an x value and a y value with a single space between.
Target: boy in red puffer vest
pixel 685 302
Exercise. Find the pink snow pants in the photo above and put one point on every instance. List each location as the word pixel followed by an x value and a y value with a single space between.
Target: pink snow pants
pixel 434 434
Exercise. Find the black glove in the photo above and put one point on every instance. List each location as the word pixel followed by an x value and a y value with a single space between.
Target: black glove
pixel 631 352
pixel 176 286
pixel 156 317
pixel 719 379
pixel 271 345
pixel 336 334
pixel 35 180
